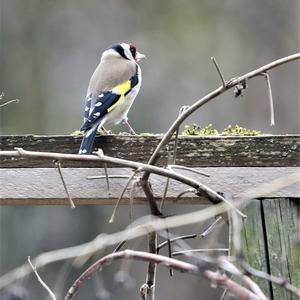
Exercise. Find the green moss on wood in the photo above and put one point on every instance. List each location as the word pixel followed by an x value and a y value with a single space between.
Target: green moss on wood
pixel 236 130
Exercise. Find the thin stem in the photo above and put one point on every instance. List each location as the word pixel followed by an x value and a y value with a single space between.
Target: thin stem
pixel 219 71
pixel 9 102
pixel 211 227
pixel 203 250
pixel 107 180
pixel 184 237
pixel 58 165
pixel 112 218
pixel 171 167
pixel 276 280
pixel 128 254
pixel 233 82
pixel 270 96
pixel 145 225
pixel 109 176
pixel 40 280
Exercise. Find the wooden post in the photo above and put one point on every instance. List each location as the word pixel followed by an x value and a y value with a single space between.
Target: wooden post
pixel 269 237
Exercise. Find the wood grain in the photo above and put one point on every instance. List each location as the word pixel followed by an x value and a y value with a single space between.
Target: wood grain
pixel 266 151
pixel 282 232
pixel 43 185
pixel 253 243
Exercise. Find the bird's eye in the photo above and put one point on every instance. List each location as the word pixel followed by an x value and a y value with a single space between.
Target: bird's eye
pixel 133 51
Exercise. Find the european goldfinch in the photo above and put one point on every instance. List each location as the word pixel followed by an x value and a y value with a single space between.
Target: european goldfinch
pixel 111 91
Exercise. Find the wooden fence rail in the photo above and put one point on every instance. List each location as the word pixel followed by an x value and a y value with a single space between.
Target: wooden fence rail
pixel 234 164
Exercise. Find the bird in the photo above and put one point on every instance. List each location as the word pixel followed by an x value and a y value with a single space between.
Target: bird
pixel 112 89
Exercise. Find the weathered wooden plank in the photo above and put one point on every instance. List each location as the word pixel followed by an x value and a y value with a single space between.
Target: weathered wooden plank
pixel 253 243
pixel 279 150
pixel 282 231
pixel 43 185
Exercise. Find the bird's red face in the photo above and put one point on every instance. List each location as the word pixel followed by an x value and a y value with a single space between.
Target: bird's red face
pixel 135 54
pixel 125 50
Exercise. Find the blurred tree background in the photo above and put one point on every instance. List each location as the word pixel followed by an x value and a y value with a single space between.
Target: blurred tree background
pixel 49 50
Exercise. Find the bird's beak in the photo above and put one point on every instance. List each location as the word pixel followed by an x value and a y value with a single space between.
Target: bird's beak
pixel 139 56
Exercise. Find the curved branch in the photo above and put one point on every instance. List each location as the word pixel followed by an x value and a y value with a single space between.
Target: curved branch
pixel 129 254
pixel 222 89
pixel 142 227
pixel 214 277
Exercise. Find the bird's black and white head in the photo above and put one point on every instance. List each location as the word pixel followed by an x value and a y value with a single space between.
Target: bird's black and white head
pixel 123 50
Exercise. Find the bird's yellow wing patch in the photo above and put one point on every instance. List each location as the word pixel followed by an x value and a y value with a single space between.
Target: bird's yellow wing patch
pixel 121 90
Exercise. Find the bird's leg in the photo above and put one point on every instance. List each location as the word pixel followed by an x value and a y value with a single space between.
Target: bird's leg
pixel 129 127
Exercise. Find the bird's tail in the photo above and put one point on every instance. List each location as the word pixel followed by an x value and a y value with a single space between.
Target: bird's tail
pixel 86 146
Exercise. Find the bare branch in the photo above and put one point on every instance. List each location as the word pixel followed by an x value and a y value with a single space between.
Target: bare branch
pixel 112 218
pixel 202 250
pixel 183 237
pixel 276 280
pixel 107 179
pixel 224 282
pixel 201 188
pixel 188 191
pixel 9 102
pixel 171 167
pixel 58 165
pixel 149 286
pixel 131 200
pixel 211 227
pixel 219 71
pixel 109 176
pixel 40 280
pixel 143 226
pixel 129 254
pixel 271 102
pixel 233 82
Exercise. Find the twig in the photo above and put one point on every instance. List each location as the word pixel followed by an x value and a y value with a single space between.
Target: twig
pixel 188 191
pixel 58 165
pixel 9 102
pixel 162 202
pixel 40 280
pixel 211 227
pixel 145 225
pixel 201 188
pixel 233 82
pixel 112 218
pixel 164 194
pixel 276 280
pixel 171 167
pixel 107 179
pixel 109 176
pixel 119 246
pixel 219 71
pixel 213 277
pixel 202 250
pixel 183 237
pixel 169 249
pixel 129 254
pixel 182 109
pixel 223 281
pixel 270 96
pixel 228 266
pixel 149 286
pixel 132 193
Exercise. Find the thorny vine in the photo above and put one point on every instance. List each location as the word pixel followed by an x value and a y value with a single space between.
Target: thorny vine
pixel 202 263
